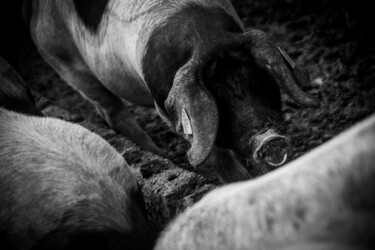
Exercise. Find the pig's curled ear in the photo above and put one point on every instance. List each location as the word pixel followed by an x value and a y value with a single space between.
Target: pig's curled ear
pixel 289 76
pixel 193 111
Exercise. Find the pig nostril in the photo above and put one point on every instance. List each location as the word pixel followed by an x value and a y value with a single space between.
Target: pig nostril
pixel 274 157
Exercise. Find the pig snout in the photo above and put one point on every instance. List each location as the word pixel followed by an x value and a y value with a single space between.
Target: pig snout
pixel 271 148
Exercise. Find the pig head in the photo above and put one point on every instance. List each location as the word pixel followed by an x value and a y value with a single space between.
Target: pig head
pixel 225 98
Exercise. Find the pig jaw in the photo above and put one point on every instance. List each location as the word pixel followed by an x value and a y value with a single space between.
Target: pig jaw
pixel 265 152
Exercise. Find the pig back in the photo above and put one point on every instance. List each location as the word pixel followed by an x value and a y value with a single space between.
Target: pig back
pixel 57 178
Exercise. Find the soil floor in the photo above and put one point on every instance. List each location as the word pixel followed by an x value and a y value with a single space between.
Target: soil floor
pixel 329 38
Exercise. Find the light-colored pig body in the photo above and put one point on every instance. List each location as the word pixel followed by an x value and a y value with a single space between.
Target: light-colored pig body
pixel 62 186
pixel 324 200
pixel 58 179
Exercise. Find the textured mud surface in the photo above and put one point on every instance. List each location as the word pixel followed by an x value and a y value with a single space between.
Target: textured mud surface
pixel 328 37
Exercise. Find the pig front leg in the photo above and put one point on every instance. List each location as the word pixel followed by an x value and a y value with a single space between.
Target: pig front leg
pixel 112 108
pixel 60 44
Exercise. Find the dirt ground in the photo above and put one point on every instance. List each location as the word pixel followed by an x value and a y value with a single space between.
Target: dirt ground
pixel 330 38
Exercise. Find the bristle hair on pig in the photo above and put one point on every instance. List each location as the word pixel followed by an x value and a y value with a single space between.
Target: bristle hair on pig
pixel 323 200
pixel 62 186
pixel 214 83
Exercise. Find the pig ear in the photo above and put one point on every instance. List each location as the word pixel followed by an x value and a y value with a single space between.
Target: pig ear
pixel 289 76
pixel 193 111
pixel 300 75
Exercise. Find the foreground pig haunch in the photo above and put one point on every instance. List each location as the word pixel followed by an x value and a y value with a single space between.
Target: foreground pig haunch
pixel 61 186
pixel 213 83
pixel 323 200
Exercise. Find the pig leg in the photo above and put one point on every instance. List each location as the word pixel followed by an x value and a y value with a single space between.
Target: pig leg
pixel 112 108
pixel 57 47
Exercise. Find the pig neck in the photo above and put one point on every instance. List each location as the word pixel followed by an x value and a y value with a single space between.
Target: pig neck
pixel 194 30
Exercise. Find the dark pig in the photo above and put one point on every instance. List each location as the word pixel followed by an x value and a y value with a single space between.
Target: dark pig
pixel 213 83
